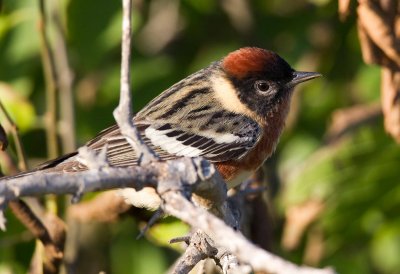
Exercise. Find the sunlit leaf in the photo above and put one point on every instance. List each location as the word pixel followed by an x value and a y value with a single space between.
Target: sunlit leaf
pixel 162 233
pixel 20 109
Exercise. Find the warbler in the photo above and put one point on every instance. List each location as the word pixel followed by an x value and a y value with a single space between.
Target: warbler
pixel 231 113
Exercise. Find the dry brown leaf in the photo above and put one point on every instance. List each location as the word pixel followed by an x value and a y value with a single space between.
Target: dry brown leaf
pixel 370 52
pixel 298 218
pixel 105 207
pixel 344 9
pixel 377 25
pixel 315 247
pixel 391 102
pixel 346 120
pixel 379 32
pixel 397 26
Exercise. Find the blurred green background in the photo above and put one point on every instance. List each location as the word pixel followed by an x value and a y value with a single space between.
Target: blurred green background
pixel 354 178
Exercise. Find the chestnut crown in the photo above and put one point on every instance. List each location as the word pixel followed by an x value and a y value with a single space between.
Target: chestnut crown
pixel 262 78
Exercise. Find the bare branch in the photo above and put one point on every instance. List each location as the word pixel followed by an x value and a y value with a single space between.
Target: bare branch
pixel 40 183
pixel 53 244
pixel 200 247
pixel 229 263
pixel 65 81
pixel 235 242
pixel 172 178
pixel 50 75
pixel 49 229
pixel 123 113
pixel 108 178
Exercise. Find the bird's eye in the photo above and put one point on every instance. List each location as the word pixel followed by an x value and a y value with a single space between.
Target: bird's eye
pixel 262 86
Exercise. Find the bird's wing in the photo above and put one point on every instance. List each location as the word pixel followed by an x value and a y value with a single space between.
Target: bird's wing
pixel 210 143
pixel 172 141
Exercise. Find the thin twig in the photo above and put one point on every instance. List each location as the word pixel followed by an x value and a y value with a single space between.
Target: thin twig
pixel 154 218
pixel 23 213
pixel 65 81
pixel 3 139
pixel 181 239
pixel 51 80
pixel 123 113
pixel 50 74
pixel 54 251
pixel 22 162
pixel 53 248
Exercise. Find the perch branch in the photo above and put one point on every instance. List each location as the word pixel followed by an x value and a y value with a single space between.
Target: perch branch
pixel 200 247
pixel 233 241
pixel 174 178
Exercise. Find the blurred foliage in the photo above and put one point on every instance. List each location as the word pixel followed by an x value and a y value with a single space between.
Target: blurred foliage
pixel 356 178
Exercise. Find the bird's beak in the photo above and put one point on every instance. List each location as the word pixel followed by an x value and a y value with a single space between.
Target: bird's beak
pixel 302 76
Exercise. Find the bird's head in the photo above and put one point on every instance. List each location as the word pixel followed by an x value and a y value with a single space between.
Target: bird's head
pixel 262 79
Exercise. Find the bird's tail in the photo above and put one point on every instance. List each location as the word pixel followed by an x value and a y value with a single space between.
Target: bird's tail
pixel 47 166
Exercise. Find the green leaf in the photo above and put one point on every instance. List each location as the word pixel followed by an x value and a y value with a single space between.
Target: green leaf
pixel 385 248
pixel 20 109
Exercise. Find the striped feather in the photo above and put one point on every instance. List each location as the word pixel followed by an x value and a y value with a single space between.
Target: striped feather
pixel 185 120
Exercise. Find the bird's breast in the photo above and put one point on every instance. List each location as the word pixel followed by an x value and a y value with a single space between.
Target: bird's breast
pixel 234 170
pixel 238 170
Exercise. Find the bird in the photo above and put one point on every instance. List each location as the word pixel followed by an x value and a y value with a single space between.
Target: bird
pixel 231 113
